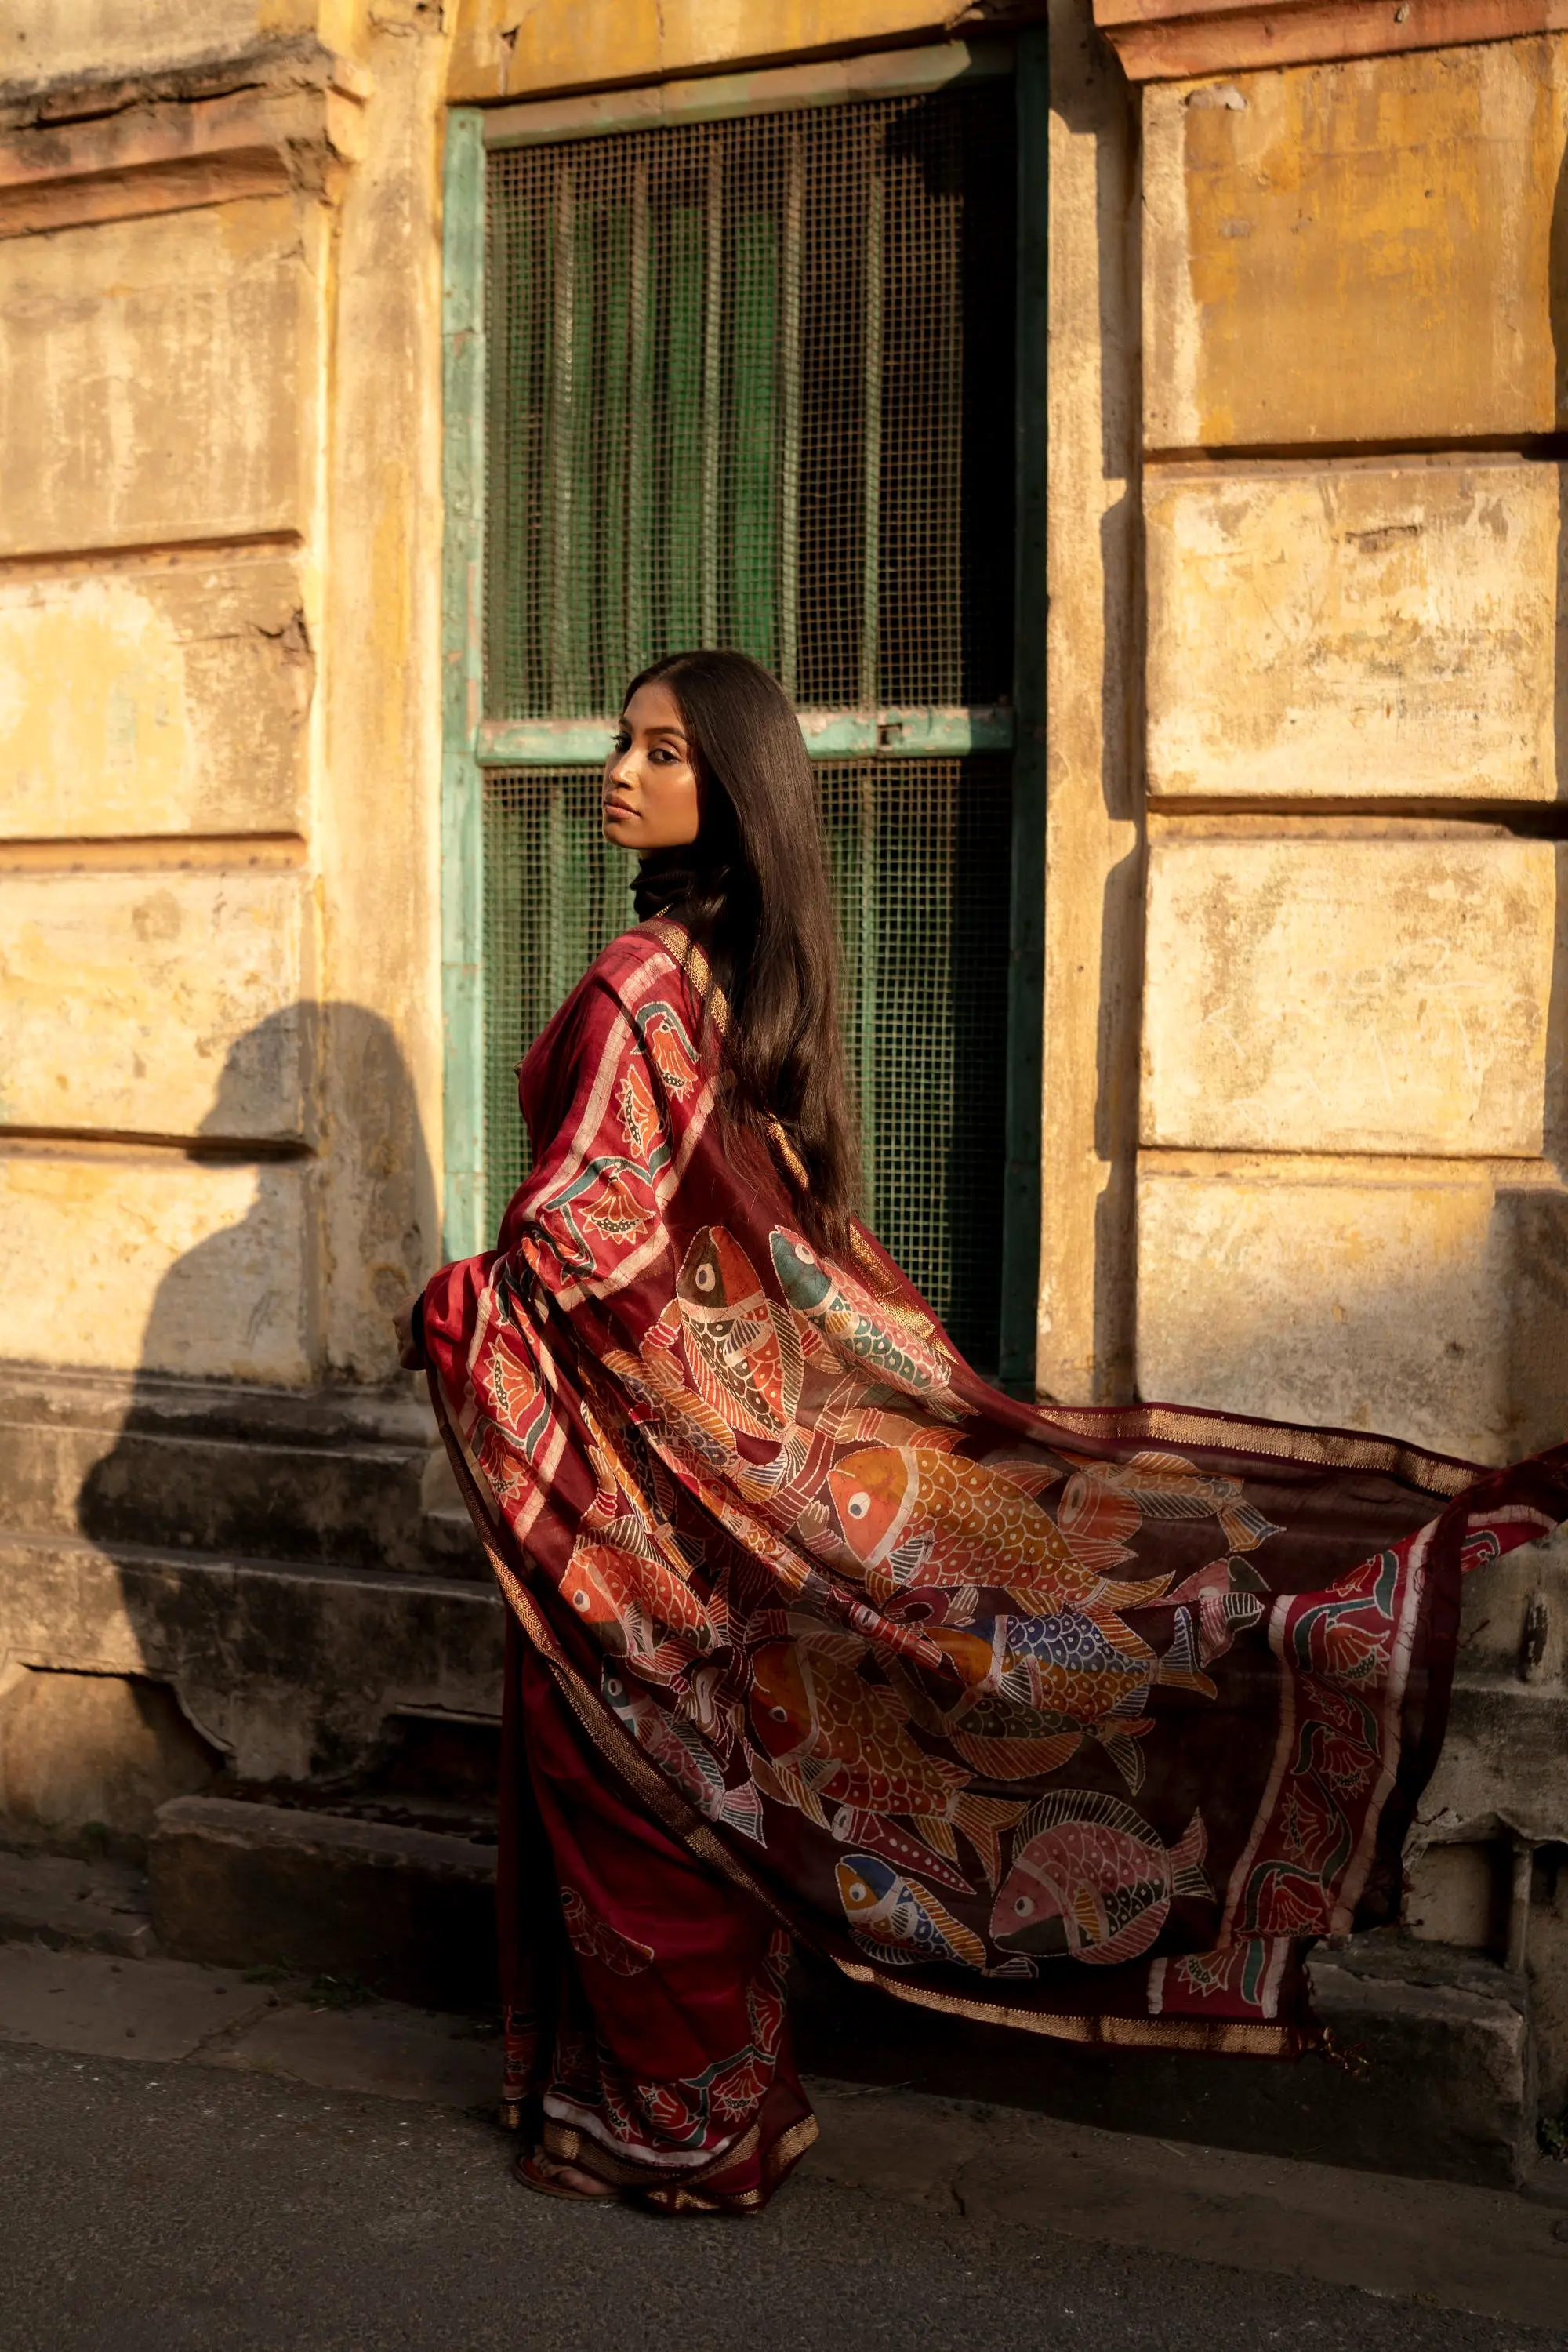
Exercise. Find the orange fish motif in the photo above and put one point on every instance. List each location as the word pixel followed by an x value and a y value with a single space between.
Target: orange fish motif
pixel 624 1594
pixel 1091 1881
pixel 845 1742
pixel 849 1736
pixel 743 1347
pixel 1162 1486
pixel 913 1517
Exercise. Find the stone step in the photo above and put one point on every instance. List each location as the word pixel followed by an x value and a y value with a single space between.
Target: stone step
pixel 408 1914
pixel 290 1671
pixel 335 1477
pixel 89 1906
pixel 1431 2073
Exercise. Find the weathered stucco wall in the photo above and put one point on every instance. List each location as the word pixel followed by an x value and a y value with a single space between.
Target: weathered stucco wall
pixel 1094 829
pixel 1351 1196
pixel 503 49
pixel 219 293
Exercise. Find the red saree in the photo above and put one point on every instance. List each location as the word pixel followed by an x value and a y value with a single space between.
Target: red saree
pixel 1085 1721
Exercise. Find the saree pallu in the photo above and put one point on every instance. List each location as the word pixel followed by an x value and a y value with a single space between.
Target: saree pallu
pixel 1083 1721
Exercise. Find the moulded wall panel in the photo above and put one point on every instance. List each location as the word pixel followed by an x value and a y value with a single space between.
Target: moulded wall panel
pixel 155 1004
pixel 1349 995
pixel 1431 1304
pixel 157 376
pixel 1356 632
pixel 155 702
pixel 39 38
pixel 164 1264
pixel 1353 253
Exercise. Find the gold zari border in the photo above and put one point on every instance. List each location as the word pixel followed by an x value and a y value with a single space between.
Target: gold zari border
pixel 1231 2039
pixel 1331 1449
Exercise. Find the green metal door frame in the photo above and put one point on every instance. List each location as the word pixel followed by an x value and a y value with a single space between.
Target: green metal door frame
pixel 470 744
pixel 462 683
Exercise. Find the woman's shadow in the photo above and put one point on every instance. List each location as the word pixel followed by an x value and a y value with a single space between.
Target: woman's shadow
pixel 267 1428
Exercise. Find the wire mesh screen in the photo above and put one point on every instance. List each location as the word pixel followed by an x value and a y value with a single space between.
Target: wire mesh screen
pixel 751 384
pixel 914 850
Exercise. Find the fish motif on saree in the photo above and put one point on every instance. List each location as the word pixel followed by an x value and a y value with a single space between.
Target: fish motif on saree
pixel 1085 1720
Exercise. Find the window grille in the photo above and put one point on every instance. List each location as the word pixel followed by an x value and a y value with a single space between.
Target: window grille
pixel 914 849
pixel 751 383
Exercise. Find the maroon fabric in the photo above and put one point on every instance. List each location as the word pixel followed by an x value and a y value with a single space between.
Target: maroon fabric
pixel 644 1998
pixel 1082 1720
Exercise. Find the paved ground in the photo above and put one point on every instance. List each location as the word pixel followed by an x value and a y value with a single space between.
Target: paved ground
pixel 191 2158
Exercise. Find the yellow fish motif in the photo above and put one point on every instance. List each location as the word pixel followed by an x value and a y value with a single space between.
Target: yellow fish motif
pixel 913 1517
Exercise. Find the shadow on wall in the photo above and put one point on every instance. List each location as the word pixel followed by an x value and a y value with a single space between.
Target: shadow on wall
pixel 254 1453
pixel 313 1170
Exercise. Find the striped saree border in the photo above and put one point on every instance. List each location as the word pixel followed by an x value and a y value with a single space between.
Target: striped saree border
pixel 1330 1449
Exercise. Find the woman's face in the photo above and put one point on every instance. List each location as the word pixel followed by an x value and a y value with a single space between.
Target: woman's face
pixel 650 784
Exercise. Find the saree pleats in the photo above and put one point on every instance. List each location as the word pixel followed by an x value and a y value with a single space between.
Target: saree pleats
pixel 1086 1721
pixel 644 2000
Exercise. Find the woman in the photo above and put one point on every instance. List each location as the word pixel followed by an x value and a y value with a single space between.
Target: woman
pixel 1086 1721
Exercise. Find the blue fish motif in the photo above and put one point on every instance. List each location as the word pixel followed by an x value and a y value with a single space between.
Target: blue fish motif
pixel 814 1290
pixel 897 1920
pixel 1076 1642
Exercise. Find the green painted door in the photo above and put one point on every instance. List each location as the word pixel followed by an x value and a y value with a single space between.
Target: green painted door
pixel 750 381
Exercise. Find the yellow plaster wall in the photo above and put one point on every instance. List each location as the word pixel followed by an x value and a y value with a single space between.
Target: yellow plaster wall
pixel 219 695
pixel 511 49
pixel 1395 627
pixel 158 377
pixel 1407 1295
pixel 1355 253
pixel 1352 1204
pixel 379 710
pixel 1094 834
pixel 44 40
pixel 160 1263
pixel 156 698
pixel 1349 995
pixel 162 1002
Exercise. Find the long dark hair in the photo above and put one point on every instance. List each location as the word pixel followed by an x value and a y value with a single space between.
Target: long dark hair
pixel 752 891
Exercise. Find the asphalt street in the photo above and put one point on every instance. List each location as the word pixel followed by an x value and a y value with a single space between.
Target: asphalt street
pixel 147 2208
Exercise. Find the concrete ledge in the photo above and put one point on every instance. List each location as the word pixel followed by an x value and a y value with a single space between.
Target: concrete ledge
pixel 406 1912
pixel 329 1475
pixel 86 1906
pixel 1433 2079
pixel 292 1671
